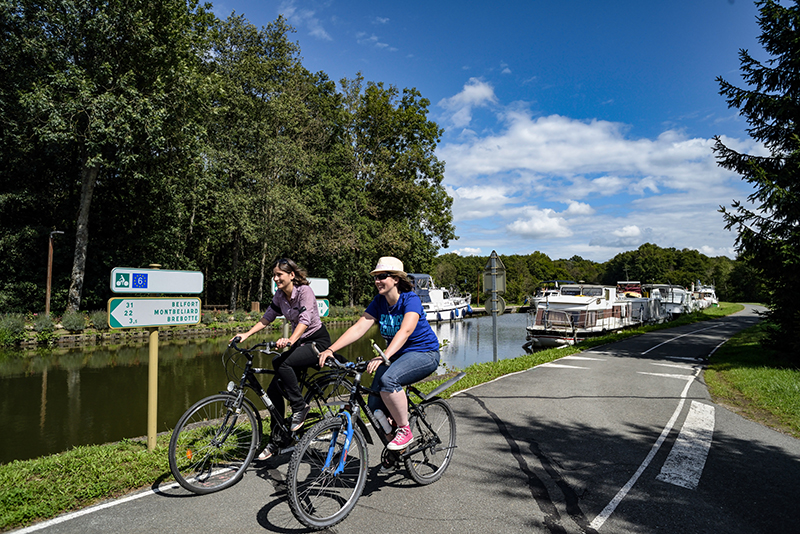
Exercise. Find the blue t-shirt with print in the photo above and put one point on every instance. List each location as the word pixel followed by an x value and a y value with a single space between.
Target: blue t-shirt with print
pixel 422 339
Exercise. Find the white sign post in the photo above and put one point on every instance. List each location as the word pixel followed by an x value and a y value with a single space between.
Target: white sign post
pixel 127 312
pixel 128 280
pixel 152 313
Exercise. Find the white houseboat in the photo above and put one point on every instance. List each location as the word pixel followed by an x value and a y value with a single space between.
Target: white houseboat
pixel 439 304
pixel 578 311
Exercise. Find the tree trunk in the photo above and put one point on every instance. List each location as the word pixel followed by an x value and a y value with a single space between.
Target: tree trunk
pixel 88 180
pixel 261 275
pixel 234 271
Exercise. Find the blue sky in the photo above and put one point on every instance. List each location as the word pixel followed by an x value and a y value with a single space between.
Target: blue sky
pixel 571 128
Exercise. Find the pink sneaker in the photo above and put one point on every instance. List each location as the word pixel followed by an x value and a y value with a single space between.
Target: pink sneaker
pixel 401 439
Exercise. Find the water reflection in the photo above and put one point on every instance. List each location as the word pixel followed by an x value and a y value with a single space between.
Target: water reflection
pixel 53 400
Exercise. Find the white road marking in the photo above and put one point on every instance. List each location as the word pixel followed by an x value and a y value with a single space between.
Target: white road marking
pixel 575 357
pixel 686 460
pixel 601 518
pixel 680 336
pixel 97 508
pixel 562 366
pixel 675 365
pixel 664 375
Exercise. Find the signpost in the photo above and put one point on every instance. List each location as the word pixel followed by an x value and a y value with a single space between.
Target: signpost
pixel 323 306
pixel 151 313
pixel 494 276
pixel 128 280
pixel 127 312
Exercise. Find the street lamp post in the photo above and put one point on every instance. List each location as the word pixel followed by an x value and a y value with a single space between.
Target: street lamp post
pixel 49 271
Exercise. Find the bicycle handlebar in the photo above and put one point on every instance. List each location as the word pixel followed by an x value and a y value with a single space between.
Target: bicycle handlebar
pixel 270 345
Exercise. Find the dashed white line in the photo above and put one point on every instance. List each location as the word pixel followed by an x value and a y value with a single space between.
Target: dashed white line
pixel 562 366
pixel 686 460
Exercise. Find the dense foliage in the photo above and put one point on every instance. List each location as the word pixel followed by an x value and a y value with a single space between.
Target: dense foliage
pixel 768 225
pixel 155 133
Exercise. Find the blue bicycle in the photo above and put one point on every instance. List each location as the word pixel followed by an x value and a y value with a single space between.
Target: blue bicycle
pixel 328 468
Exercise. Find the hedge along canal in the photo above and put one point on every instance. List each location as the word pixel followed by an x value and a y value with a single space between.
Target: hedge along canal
pixel 55 399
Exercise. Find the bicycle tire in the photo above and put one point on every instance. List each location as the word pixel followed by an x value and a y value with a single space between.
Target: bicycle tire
pixel 434 441
pixel 318 498
pixel 198 461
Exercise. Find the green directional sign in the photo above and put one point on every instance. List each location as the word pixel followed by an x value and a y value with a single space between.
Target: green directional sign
pixel 139 312
pixel 324 307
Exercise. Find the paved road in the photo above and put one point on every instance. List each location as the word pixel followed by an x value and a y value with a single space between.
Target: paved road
pixel 620 439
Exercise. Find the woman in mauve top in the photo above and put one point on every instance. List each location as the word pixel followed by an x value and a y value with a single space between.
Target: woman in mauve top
pixel 295 300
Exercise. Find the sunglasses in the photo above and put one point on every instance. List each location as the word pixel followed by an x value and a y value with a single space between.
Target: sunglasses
pixel 382 276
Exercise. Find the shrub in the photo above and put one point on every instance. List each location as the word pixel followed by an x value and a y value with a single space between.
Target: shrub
pixel 99 319
pixel 12 329
pixel 240 316
pixel 208 317
pixel 43 323
pixel 74 321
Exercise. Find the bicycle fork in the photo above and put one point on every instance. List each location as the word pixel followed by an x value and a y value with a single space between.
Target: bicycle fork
pixel 346 447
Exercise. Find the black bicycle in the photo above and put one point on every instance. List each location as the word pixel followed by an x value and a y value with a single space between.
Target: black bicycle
pixel 328 468
pixel 217 438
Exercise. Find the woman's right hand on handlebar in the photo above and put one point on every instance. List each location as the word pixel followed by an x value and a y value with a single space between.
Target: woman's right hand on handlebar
pixel 323 357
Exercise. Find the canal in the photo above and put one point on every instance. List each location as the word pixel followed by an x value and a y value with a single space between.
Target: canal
pixel 52 400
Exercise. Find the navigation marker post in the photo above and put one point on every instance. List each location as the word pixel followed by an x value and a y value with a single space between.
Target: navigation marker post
pixel 152 313
pixel 494 276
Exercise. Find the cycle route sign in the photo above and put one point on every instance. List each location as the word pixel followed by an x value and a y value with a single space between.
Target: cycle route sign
pixel 128 280
pixel 135 312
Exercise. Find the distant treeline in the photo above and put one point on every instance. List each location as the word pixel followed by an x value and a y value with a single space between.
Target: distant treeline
pixel 733 280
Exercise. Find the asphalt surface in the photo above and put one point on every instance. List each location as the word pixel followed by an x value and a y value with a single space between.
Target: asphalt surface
pixel 623 438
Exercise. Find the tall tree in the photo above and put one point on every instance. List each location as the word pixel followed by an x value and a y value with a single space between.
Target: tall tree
pixel 111 81
pixel 769 228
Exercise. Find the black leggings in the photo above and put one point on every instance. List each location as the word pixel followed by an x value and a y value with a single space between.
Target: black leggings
pixel 288 364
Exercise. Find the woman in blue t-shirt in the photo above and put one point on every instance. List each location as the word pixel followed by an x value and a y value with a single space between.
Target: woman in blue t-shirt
pixel 412 346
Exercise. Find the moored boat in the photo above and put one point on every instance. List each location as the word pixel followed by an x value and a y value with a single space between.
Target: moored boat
pixel 578 311
pixel 439 304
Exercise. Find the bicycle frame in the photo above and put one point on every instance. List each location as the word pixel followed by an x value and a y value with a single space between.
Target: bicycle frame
pixel 357 399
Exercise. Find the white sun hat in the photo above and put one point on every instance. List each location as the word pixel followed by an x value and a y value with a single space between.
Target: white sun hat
pixel 389 264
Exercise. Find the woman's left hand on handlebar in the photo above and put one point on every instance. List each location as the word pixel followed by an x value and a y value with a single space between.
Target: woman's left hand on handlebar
pixel 283 343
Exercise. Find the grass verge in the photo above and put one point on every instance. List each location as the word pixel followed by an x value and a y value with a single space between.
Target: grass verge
pixel 758 383
pixel 42 488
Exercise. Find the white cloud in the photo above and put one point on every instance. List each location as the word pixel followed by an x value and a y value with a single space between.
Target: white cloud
pixel 304 18
pixel 540 224
pixel 565 186
pixel 468 251
pixel 372 40
pixel 475 93
pixel 579 208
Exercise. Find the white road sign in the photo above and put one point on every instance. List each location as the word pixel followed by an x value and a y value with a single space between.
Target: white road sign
pixel 324 307
pixel 163 311
pixel 319 286
pixel 127 280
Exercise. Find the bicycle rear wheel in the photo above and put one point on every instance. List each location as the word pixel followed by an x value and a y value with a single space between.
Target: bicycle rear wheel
pixel 434 429
pixel 319 497
pixel 212 444
pixel 326 395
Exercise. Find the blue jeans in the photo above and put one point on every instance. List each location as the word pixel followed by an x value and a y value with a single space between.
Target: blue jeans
pixel 406 369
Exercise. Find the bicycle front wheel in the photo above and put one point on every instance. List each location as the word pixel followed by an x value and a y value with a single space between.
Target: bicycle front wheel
pixel 434 427
pixel 322 487
pixel 213 443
